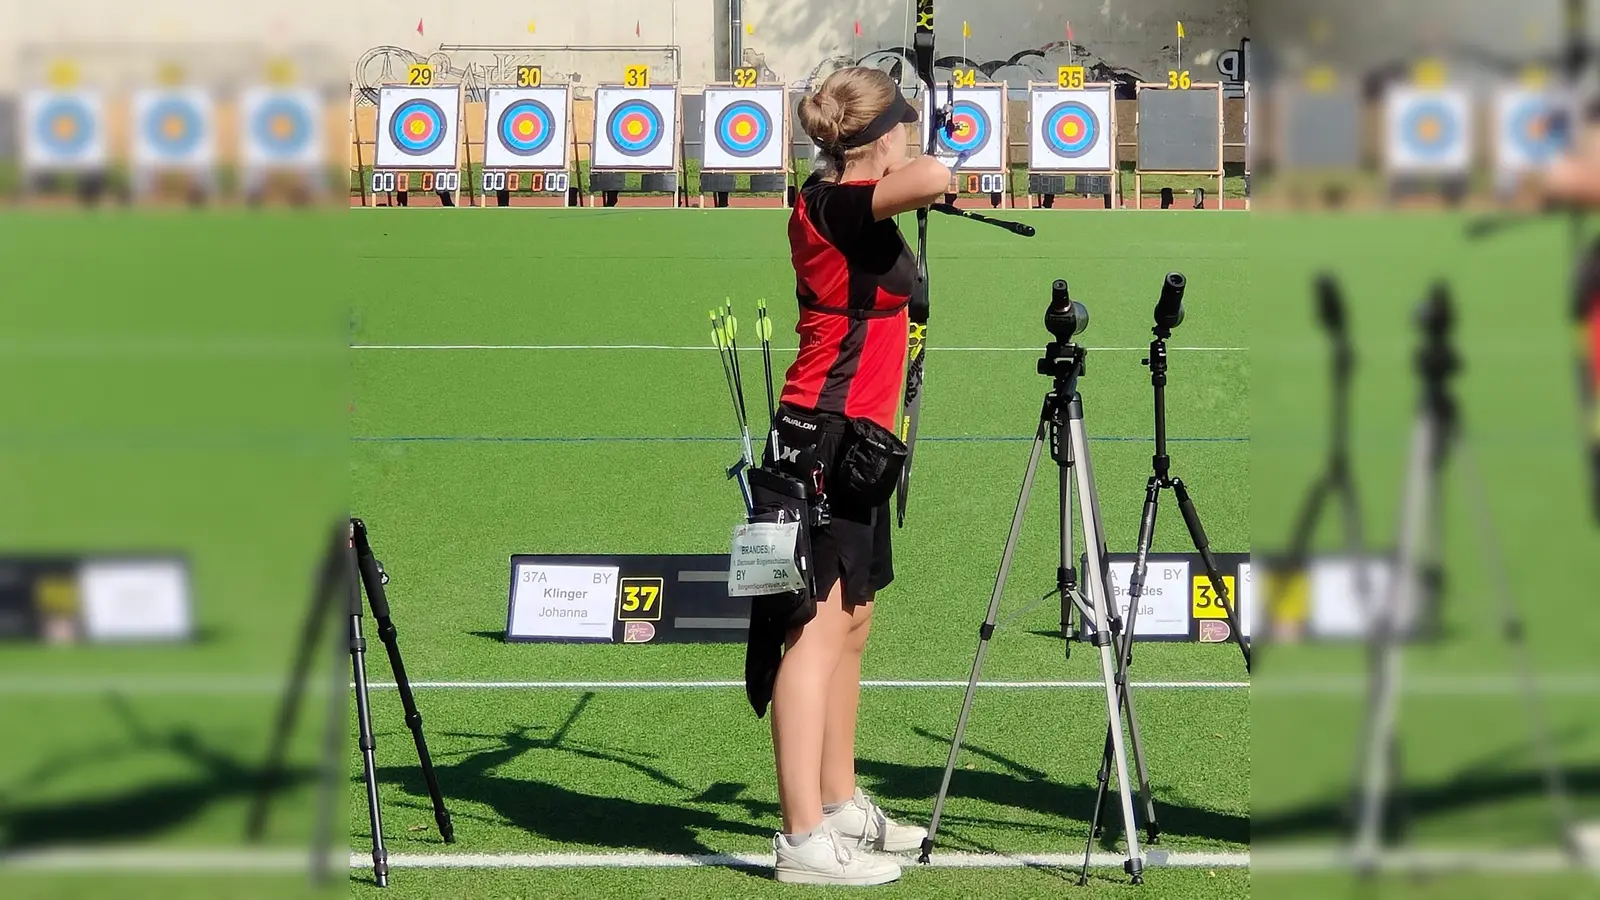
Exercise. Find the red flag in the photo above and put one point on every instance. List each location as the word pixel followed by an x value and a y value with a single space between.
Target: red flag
pixel 636 28
pixel 1069 32
pixel 858 28
pixel 419 26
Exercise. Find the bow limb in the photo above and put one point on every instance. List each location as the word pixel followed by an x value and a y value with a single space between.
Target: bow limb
pixel 916 345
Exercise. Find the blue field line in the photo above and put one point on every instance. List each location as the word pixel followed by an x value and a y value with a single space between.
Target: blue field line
pixel 701 439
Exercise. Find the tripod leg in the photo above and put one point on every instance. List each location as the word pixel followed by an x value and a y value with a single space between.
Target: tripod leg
pixel 1539 722
pixel 1202 545
pixel 373 580
pixel 1124 635
pixel 319 615
pixel 369 762
pixel 1095 578
pixel 1067 572
pixel 1379 750
pixel 984 633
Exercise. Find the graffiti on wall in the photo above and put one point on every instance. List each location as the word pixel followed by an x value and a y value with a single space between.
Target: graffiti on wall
pixel 1035 64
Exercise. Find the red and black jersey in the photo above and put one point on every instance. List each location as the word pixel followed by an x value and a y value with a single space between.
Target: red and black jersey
pixel 853 278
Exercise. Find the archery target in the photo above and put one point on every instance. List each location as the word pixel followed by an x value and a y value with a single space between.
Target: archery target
pixel 1070 130
pixel 636 128
pixel 418 128
pixel 744 129
pixel 526 128
pixel 1532 128
pixel 977 122
pixel 1429 130
pixel 282 128
pixel 173 129
pixel 63 130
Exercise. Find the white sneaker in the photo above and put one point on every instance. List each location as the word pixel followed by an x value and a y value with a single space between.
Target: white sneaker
pixel 824 858
pixel 863 824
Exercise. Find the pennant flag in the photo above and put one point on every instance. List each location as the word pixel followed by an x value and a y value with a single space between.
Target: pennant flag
pixel 636 28
pixel 749 28
pixel 530 26
pixel 1069 32
pixel 858 28
pixel 419 26
pixel 966 29
pixel 1181 35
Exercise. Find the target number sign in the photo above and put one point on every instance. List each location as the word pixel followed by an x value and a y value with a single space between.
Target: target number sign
pixel 965 78
pixel 1070 77
pixel 746 76
pixel 419 75
pixel 1179 81
pixel 636 77
pixel 530 76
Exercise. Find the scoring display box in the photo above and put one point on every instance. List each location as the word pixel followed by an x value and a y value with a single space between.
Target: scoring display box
pixel 514 180
pixel 399 182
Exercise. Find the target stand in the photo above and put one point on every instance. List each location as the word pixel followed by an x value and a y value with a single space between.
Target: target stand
pixel 1180 133
pixel 1072 145
pixel 978 129
pixel 746 134
pixel 418 144
pixel 529 146
pixel 636 130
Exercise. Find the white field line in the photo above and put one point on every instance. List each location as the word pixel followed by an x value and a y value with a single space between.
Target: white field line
pixel 757 349
pixel 951 860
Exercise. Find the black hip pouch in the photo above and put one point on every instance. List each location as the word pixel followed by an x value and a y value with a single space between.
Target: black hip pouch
pixel 870 461
pixel 781 499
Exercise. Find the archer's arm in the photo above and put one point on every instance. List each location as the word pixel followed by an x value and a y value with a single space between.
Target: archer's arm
pixel 1575 178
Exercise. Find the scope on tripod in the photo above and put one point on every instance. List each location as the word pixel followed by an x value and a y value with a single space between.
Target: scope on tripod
pixel 1065 317
pixel 1330 304
pixel 1169 309
pixel 1435 316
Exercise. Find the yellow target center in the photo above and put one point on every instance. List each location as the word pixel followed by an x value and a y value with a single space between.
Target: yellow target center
pixel 65 127
pixel 418 127
pixel 635 129
pixel 1429 128
pixel 282 127
pixel 962 128
pixel 172 126
pixel 742 129
pixel 1071 128
pixel 525 128
pixel 1538 127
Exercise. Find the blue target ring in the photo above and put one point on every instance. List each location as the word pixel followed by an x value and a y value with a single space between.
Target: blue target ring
pixel 417 127
pixel 1429 129
pixel 635 127
pixel 743 128
pixel 1071 129
pixel 172 126
pixel 526 127
pixel 282 127
pixel 969 128
pixel 1535 132
pixel 64 126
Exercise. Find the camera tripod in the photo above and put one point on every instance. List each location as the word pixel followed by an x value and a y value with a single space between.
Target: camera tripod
pixel 1061 426
pixel 348 567
pixel 1436 433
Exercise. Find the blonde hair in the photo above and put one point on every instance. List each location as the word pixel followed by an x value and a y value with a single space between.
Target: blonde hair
pixel 843 105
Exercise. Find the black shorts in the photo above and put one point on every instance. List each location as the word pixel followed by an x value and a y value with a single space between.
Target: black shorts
pixel 854 546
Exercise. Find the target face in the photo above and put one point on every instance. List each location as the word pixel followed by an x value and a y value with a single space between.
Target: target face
pixel 62 130
pixel 743 129
pixel 1429 130
pixel 526 127
pixel 281 128
pixel 172 128
pixel 1533 127
pixel 635 128
pixel 1071 129
pixel 418 127
pixel 969 128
